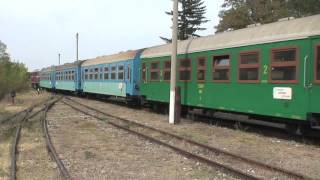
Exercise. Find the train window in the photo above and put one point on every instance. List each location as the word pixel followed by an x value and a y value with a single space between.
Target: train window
pixel 185 70
pixel 113 72
pixel 106 73
pixel 73 75
pixel 96 72
pixel 201 69
pixel 91 74
pixel 129 73
pixel 155 71
pixel 249 67
pixel 221 68
pixel 101 73
pixel 167 70
pixel 143 71
pixel 86 74
pixel 317 64
pixel 120 72
pixel 284 65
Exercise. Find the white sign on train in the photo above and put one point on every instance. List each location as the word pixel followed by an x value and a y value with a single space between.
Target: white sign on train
pixel 284 93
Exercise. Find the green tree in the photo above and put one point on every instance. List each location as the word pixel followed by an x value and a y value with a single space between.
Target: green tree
pixel 13 75
pixel 3 51
pixel 237 14
pixel 191 17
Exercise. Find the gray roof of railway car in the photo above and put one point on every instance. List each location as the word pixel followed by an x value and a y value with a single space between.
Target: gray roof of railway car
pixel 267 33
pixel 111 58
pixel 68 65
pixel 47 69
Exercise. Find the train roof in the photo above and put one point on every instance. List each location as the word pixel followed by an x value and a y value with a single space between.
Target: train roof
pixel 47 69
pixel 111 58
pixel 68 65
pixel 289 29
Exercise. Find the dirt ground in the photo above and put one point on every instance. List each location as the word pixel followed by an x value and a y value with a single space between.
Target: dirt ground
pixel 288 154
pixel 23 101
pixel 33 161
pixel 94 150
pixel 91 149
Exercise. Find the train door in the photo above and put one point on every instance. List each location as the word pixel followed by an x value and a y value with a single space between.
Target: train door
pixel 201 78
pixel 315 90
pixel 128 78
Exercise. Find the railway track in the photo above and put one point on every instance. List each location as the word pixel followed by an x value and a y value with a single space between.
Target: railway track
pixel 50 146
pixel 13 172
pixel 215 157
pixel 29 114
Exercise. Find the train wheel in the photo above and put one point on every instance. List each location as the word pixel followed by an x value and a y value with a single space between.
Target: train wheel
pixel 296 129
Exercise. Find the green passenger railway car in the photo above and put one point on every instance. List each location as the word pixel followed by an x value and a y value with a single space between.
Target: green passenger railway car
pixel 270 70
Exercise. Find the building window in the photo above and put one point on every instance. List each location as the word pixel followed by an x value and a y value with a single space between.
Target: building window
pixel 120 72
pixel 201 69
pixel 221 68
pixel 155 71
pixel 284 65
pixel 317 66
pixel 113 72
pixel 249 64
pixel 167 71
pixel 185 70
pixel 106 73
pixel 143 72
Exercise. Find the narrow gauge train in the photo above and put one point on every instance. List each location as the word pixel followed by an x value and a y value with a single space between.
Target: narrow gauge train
pixel 271 71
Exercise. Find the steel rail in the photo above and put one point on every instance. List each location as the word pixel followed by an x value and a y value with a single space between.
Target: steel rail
pixel 50 146
pixel 14 150
pixel 222 167
pixel 210 148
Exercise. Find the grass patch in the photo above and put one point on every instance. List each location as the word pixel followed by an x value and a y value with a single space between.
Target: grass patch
pixel 3 173
pixel 194 137
pixel 89 155
pixel 8 133
pixel 87 125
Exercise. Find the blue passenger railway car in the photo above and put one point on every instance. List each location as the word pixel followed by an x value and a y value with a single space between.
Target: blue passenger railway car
pixel 47 78
pixel 68 77
pixel 112 75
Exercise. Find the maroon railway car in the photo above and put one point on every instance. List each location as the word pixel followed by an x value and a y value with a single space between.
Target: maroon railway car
pixel 35 79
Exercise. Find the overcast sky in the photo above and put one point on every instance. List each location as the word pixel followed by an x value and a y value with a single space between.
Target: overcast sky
pixel 35 31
